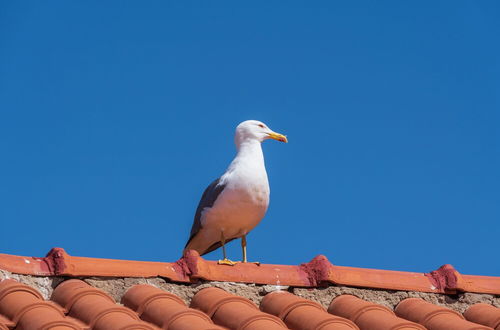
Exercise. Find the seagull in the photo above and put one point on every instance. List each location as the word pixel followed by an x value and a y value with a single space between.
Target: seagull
pixel 232 205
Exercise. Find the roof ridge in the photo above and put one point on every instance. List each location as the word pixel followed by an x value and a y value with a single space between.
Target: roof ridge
pixel 192 268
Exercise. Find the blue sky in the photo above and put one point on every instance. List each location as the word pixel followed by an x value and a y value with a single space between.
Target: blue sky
pixel 115 116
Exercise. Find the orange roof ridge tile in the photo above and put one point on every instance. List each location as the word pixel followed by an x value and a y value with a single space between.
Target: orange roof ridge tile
pixel 95 308
pixel 444 280
pixel 165 309
pixel 434 317
pixel 191 268
pixel 368 315
pixel 59 263
pixel 302 314
pixel 484 314
pixel 321 271
pixel 24 308
pixel 234 312
pixel 481 284
pixel 201 269
pixel 24 265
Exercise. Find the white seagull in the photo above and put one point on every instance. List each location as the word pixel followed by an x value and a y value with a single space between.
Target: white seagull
pixel 235 203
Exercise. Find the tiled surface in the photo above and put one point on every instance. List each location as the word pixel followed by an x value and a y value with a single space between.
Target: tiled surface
pixel 297 312
pixel 432 316
pixel 23 307
pixel 195 303
pixel 165 309
pixel 192 268
pixel 74 304
pixel 484 314
pixel 368 315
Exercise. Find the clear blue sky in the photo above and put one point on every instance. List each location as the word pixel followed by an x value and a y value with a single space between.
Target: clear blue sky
pixel 115 116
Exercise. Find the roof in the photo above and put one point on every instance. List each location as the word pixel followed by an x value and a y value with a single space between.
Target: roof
pixel 61 291
pixel 192 268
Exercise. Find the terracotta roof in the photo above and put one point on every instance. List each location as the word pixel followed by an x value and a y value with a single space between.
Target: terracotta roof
pixel 186 295
pixel 76 305
pixel 369 315
pixel 192 268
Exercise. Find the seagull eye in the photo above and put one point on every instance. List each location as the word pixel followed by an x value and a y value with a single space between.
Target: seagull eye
pixel 260 125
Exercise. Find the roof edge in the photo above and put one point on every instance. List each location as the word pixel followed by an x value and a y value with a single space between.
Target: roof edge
pixel 191 268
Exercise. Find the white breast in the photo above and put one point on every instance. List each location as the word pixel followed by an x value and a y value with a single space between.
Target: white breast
pixel 245 198
pixel 241 206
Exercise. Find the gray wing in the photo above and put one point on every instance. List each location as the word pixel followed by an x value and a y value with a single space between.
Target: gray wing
pixel 207 200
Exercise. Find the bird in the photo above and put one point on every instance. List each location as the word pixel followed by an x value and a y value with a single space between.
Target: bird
pixel 233 204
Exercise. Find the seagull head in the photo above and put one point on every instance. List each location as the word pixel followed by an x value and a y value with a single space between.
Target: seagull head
pixel 256 130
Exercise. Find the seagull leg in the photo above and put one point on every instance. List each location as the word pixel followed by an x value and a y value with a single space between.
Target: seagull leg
pixel 225 261
pixel 244 249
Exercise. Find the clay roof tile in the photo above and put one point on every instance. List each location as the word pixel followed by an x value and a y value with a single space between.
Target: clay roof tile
pixel 234 312
pixel 368 315
pixel 25 309
pixel 434 317
pixel 302 314
pixel 95 308
pixel 165 309
pixel 484 314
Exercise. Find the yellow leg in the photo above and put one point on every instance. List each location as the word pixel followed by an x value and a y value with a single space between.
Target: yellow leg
pixel 244 249
pixel 225 261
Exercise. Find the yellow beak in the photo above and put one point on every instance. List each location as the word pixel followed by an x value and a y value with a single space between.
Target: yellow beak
pixel 277 136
